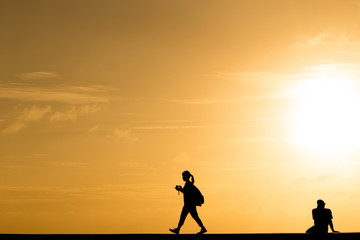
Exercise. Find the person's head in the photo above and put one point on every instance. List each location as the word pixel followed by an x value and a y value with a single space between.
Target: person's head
pixel 186 176
pixel 320 203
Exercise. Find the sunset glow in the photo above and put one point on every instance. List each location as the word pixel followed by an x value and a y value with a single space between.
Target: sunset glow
pixel 104 103
pixel 327 118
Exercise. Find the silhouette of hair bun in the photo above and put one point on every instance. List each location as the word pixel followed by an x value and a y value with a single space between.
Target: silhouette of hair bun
pixel 186 174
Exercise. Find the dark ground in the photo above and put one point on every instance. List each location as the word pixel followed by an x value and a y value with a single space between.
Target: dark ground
pixel 273 236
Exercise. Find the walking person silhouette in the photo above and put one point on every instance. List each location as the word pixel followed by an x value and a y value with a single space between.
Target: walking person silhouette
pixel 322 219
pixel 192 198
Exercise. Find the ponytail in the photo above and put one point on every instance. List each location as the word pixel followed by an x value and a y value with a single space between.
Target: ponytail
pixel 187 175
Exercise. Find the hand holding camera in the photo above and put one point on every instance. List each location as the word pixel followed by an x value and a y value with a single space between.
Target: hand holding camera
pixel 178 187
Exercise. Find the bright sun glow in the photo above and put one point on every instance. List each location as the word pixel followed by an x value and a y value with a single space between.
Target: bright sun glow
pixel 327 119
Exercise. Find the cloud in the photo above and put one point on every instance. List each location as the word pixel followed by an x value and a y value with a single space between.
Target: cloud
pixel 327 37
pixel 93 129
pixel 218 101
pixel 320 178
pixel 34 113
pixel 12 195
pixel 64 163
pixel 28 115
pixel 254 140
pixel 278 86
pixel 177 127
pixel 123 134
pixel 269 119
pixel 38 76
pixel 64 116
pixel 92 88
pixel 30 90
pixel 181 158
pixel 73 113
pixel 68 95
pixel 83 99
pixel 337 69
pixel 264 86
pixel 331 40
pixel 20 194
pixel 256 78
pixel 14 128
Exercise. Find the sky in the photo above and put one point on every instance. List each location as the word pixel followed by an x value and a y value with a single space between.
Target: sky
pixel 103 104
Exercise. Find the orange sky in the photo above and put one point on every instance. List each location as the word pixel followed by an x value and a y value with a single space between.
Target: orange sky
pixel 105 103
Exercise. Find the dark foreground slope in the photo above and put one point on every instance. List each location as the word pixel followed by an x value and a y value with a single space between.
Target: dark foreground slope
pixel 275 236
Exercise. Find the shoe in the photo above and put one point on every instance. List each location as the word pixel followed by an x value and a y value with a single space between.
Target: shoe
pixel 203 230
pixel 175 230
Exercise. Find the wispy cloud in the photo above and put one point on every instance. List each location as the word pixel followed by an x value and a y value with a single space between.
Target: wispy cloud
pixel 177 127
pixel 326 37
pixel 268 119
pixel 260 77
pixel 224 101
pixel 73 113
pixel 121 133
pixel 254 140
pixel 333 41
pixel 65 101
pixel 320 178
pixel 34 113
pixel 27 89
pixel 38 76
pixel 17 194
pixel 93 129
pixel 28 115
pixel 64 163
pixel 268 86
pixel 127 134
pixel 14 128
pixel 265 86
pixel 68 95
pixel 37 113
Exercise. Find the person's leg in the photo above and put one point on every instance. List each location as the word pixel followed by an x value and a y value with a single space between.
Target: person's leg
pixel 311 230
pixel 183 215
pixel 319 233
pixel 195 216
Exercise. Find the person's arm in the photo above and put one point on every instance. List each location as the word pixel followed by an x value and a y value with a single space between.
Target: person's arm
pixel 332 226
pixel 330 221
pixel 179 188
pixel 313 214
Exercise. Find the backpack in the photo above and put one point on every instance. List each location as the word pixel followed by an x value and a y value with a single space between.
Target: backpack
pixel 198 197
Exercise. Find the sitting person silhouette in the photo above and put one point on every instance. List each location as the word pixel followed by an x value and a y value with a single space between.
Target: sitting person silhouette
pixel 190 202
pixel 322 219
